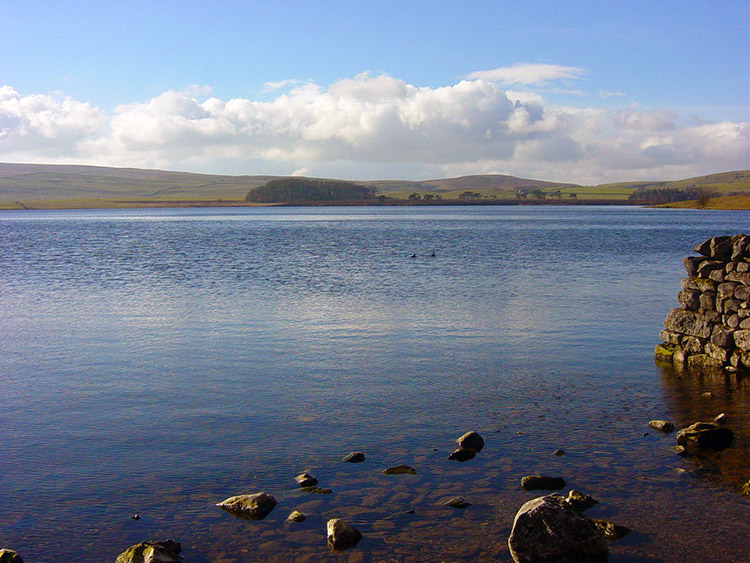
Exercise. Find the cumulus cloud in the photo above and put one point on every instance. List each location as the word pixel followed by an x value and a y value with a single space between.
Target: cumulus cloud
pixel 374 126
pixel 528 73
pixel 45 124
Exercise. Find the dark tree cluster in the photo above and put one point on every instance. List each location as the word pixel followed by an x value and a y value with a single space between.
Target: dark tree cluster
pixel 669 195
pixel 308 190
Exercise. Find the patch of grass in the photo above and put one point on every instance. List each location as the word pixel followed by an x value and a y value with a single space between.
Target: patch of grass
pixel 731 202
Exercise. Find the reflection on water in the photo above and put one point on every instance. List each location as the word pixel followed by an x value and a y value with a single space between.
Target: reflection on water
pixel 159 361
pixel 700 396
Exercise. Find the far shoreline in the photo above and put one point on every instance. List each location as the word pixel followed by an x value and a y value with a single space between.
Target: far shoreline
pixel 726 203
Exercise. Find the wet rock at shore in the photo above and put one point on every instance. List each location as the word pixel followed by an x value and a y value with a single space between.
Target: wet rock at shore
pixel 608 530
pixel 579 501
pixel 249 507
pixel 462 455
pixel 152 552
pixel 471 441
pixel 457 502
pixel 703 436
pixel 548 530
pixel 9 556
pixel 399 470
pixel 341 535
pixel 662 425
pixel 541 482
pixel 306 480
pixel 354 457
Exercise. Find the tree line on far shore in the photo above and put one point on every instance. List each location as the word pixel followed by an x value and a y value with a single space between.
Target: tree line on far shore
pixel 308 190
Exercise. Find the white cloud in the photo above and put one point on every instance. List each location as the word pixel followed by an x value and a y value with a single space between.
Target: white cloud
pixel 373 127
pixel 528 73
pixel 45 124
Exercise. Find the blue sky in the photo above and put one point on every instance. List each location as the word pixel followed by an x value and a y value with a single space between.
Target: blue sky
pixel 575 91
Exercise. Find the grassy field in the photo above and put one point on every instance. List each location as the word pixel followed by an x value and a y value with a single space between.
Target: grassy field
pixel 731 202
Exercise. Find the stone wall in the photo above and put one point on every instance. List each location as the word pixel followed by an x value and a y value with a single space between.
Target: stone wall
pixel 711 328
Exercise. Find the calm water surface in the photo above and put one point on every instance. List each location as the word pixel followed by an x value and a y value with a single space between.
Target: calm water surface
pixel 159 361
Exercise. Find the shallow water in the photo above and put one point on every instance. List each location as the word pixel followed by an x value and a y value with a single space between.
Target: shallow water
pixel 159 361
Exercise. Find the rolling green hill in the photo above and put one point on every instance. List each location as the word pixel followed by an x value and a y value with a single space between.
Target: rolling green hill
pixel 60 186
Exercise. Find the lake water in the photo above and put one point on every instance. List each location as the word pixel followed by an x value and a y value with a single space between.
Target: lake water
pixel 159 361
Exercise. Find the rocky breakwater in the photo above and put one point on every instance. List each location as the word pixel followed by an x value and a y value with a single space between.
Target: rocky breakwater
pixel 711 328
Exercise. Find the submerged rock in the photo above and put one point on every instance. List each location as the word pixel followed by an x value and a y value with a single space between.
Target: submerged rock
pixel 9 556
pixel 457 502
pixel 354 457
pixel 579 501
pixel 471 441
pixel 249 507
pixel 548 530
pixel 317 490
pixel 152 552
pixel 662 425
pixel 608 530
pixel 462 455
pixel 306 480
pixel 702 436
pixel 400 470
pixel 341 535
pixel 537 482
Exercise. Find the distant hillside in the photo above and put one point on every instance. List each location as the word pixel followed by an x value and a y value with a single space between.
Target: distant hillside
pixel 38 185
pixel 43 182
pixel 497 184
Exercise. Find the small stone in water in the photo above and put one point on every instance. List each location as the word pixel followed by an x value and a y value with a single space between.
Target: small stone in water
pixel 559 453
pixel 662 425
pixel 306 480
pixel 355 457
pixel 536 482
pixel 135 517
pixel 458 502
pixel 341 535
pixel 296 516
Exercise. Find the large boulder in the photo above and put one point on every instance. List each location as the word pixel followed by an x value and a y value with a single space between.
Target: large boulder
pixel 703 436
pixel 341 535
pixel 548 530
pixel 249 507
pixel 9 556
pixel 152 552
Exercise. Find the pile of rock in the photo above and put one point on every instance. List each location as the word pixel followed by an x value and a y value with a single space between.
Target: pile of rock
pixel 711 328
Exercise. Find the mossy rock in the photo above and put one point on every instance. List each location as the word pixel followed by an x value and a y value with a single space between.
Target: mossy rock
pixel 664 352
pixel 151 551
